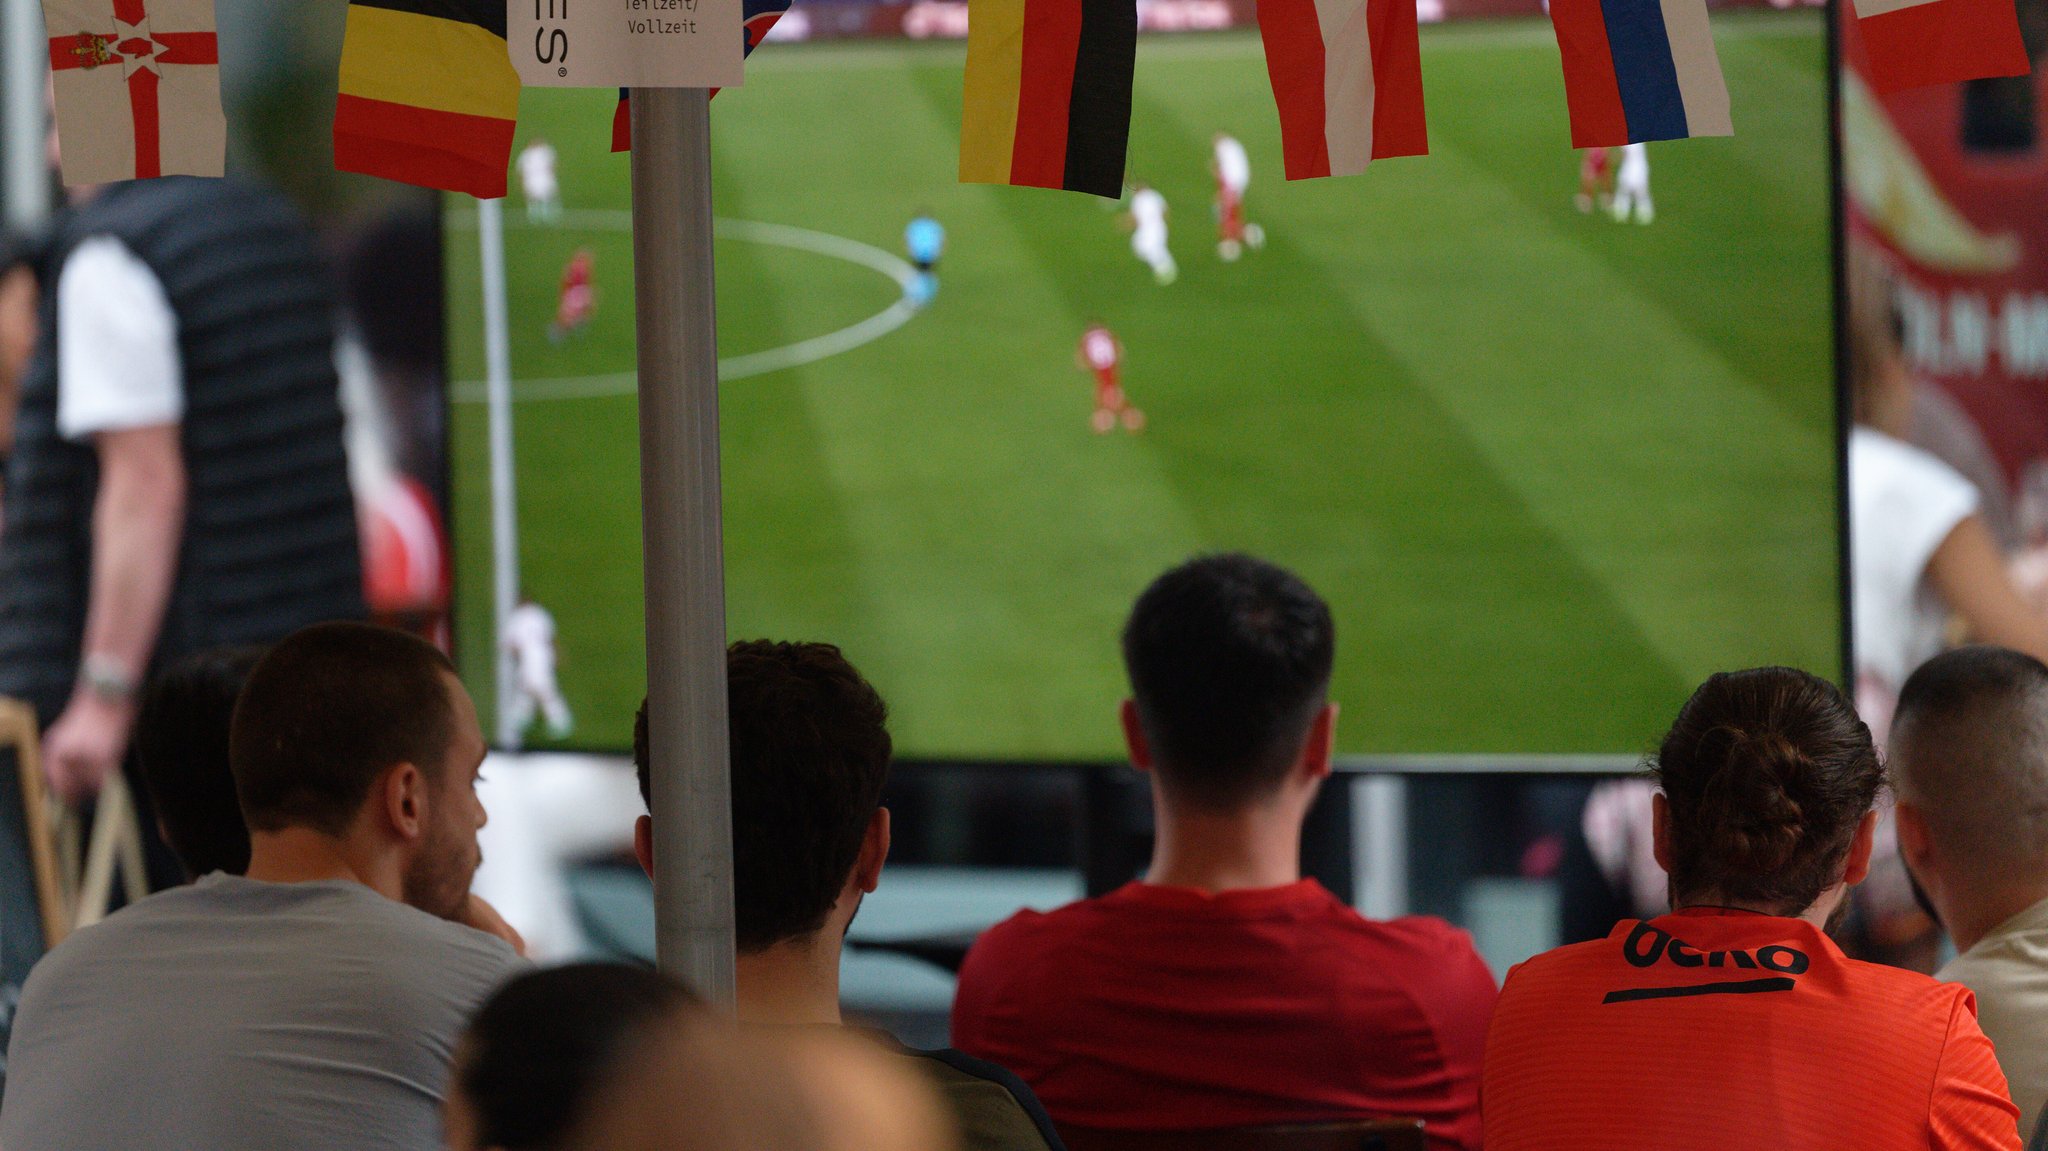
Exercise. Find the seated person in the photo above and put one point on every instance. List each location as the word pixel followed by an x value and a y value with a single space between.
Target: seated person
pixel 1969 761
pixel 1735 1021
pixel 1224 990
pixel 315 1002
pixel 810 752
pixel 607 1057
pixel 181 744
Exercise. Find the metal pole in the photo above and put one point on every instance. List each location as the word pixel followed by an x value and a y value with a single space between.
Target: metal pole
pixel 682 538
pixel 490 232
pixel 24 62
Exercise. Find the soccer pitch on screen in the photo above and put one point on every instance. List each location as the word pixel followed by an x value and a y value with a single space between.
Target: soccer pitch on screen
pixel 1549 469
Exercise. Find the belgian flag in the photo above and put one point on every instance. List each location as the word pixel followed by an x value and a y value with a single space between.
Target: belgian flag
pixel 1048 94
pixel 428 94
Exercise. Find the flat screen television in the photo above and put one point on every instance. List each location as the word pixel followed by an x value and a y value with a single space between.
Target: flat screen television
pixel 1550 468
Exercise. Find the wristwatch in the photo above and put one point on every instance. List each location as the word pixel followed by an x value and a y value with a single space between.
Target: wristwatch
pixel 108 678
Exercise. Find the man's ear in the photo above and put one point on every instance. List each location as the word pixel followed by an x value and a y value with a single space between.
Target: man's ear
pixel 403 791
pixel 1320 749
pixel 1916 845
pixel 1660 830
pixel 874 851
pixel 643 843
pixel 1134 736
pixel 1858 867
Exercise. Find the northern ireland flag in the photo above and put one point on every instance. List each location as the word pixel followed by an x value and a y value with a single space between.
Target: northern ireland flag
pixel 1347 76
pixel 760 16
pixel 1637 70
pixel 138 88
pixel 1910 43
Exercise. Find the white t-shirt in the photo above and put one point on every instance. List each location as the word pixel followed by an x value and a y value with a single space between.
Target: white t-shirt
pixel 1903 503
pixel 1635 166
pixel 1148 211
pixel 1233 166
pixel 530 635
pixel 537 171
pixel 118 365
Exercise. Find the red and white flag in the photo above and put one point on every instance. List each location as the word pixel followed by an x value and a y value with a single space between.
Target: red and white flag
pixel 1347 76
pixel 138 88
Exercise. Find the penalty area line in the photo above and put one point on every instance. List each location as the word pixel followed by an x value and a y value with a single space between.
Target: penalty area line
pixel 732 368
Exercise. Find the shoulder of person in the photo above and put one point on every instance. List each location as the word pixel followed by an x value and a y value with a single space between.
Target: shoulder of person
pixel 995 1110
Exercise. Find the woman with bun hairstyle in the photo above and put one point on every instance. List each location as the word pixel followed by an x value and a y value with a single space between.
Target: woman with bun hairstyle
pixel 1734 1021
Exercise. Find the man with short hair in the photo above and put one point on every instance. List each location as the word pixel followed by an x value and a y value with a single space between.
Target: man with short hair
pixel 316 1002
pixel 1969 762
pixel 1224 990
pixel 810 752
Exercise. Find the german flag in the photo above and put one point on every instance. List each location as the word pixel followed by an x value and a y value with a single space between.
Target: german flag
pixel 428 94
pixel 1048 95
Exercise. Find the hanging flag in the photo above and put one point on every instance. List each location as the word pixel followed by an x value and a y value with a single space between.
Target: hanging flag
pixel 1638 70
pixel 1347 76
pixel 428 94
pixel 1910 43
pixel 761 15
pixel 1048 93
pixel 137 84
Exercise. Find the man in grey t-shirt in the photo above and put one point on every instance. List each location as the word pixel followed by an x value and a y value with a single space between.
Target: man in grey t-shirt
pixel 316 1002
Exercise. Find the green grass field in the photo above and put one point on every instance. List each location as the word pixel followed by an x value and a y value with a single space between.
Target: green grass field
pixel 1549 470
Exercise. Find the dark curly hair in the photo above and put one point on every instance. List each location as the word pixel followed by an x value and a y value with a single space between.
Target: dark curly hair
pixel 810 752
pixel 1767 773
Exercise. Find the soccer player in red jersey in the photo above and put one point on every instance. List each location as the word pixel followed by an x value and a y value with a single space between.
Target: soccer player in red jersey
pixel 578 299
pixel 1734 1021
pixel 1596 180
pixel 1102 354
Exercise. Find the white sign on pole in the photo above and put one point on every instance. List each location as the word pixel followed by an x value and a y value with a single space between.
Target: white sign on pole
pixel 626 43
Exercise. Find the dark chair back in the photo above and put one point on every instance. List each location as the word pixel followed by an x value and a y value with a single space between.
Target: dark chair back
pixel 1376 1135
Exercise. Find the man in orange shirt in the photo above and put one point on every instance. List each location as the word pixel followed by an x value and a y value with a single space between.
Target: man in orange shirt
pixel 1735 1022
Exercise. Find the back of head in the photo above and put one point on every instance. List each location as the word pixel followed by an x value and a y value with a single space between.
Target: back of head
pixel 327 711
pixel 1767 773
pixel 810 752
pixel 1229 658
pixel 1969 751
pixel 181 742
pixel 545 1046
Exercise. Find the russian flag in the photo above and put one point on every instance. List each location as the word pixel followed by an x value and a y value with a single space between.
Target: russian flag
pixel 1347 78
pixel 1911 43
pixel 1638 70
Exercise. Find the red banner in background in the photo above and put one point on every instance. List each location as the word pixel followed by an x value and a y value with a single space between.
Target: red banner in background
pixel 1951 182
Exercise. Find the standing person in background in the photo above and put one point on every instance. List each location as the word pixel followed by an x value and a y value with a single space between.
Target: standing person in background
pixel 1101 355
pixel 20 298
pixel 539 182
pixel 178 480
pixel 1147 222
pixel 530 644
pixel 1632 185
pixel 1233 171
pixel 1596 180
pixel 1735 1021
pixel 925 239
pixel 1223 989
pixel 577 301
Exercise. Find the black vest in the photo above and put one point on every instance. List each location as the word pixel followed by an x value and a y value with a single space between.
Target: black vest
pixel 270 530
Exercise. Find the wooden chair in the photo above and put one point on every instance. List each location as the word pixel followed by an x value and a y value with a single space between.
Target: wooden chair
pixel 1374 1135
pixel 72 892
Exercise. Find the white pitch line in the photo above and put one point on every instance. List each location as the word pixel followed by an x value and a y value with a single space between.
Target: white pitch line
pixel 736 367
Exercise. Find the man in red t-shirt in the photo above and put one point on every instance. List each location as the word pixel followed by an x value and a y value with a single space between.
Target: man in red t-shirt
pixel 1224 990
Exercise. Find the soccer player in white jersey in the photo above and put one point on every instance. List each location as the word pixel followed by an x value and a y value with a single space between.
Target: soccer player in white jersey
pixel 1147 221
pixel 530 641
pixel 1102 355
pixel 537 179
pixel 1233 171
pixel 1632 185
